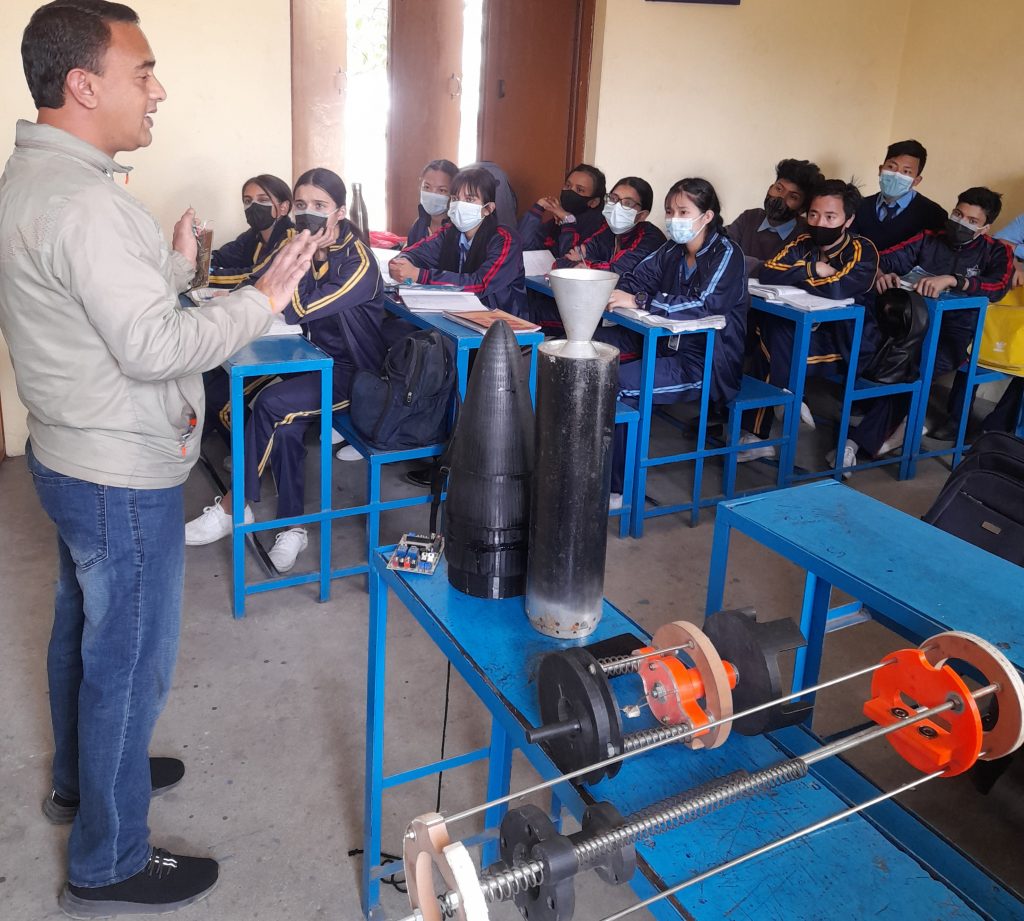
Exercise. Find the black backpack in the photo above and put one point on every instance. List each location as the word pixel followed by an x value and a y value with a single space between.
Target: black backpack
pixel 982 501
pixel 406 405
pixel 902 318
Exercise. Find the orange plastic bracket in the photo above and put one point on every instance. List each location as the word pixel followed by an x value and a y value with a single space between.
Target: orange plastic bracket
pixel 951 742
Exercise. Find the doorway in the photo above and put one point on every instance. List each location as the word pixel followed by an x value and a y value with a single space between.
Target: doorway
pixel 499 80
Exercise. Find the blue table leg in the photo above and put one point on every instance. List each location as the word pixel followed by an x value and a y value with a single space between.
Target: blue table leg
pixel 533 374
pixel 929 349
pixel 850 386
pixel 326 457
pixel 813 621
pixel 462 369
pixel 797 381
pixel 374 778
pixel 719 562
pixel 972 370
pixel 499 775
pixel 702 426
pixel 237 384
pixel 646 405
pixel 628 518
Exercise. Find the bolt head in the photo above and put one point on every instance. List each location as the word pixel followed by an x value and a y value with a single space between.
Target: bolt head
pixel 899 712
pixel 927 732
pixel 592 668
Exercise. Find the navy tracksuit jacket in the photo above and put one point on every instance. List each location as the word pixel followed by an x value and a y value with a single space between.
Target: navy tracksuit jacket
pixel 558 239
pixel 232 263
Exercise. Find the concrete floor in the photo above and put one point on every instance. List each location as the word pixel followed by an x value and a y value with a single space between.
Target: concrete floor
pixel 268 712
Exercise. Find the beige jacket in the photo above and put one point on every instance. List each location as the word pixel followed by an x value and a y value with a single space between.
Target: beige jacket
pixel 107 362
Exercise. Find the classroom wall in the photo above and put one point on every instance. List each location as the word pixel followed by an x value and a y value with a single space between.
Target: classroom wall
pixel 724 92
pixel 959 92
pixel 226 68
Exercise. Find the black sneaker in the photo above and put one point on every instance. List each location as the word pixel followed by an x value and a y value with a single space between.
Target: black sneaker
pixel 420 476
pixel 166 883
pixel 165 774
pixel 945 431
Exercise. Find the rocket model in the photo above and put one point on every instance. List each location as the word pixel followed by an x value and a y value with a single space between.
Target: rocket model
pixel 490 460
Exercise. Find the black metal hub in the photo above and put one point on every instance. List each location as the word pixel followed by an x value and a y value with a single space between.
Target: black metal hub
pixel 575 693
pixel 753 648
pixel 619 866
pixel 528 834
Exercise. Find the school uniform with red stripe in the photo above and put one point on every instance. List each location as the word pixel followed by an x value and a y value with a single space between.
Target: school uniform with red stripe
pixel 617 253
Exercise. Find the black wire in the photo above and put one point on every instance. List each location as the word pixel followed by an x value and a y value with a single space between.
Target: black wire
pixel 385 859
pixel 444 731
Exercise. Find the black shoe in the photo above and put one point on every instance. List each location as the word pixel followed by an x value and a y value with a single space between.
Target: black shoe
pixel 945 431
pixel 166 883
pixel 164 773
pixel 420 476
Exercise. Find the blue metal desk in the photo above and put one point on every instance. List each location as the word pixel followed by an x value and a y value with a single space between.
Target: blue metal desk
pixel 853 871
pixel 916 579
pixel 465 340
pixel 279 355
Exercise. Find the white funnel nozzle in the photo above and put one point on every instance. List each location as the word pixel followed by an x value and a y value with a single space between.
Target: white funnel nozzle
pixel 581 296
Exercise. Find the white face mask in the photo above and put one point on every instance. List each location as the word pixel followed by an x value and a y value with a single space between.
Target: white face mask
pixel 434 202
pixel 618 217
pixel 465 215
pixel 894 185
pixel 682 229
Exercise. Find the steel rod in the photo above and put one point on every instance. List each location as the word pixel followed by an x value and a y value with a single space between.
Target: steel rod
pixel 544 785
pixel 618 663
pixel 788 839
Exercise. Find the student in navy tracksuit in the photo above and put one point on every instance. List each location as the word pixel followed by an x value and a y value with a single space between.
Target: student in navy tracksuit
pixel 267 201
pixel 699 272
pixel 961 259
pixel 575 214
pixel 626 238
pixel 340 306
pixel 435 195
pixel 828 261
pixel 473 252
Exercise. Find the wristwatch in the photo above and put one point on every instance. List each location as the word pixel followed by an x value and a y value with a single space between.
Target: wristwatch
pixel 641 299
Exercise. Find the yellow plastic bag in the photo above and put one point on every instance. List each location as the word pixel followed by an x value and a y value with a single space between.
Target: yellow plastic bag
pixel 1002 339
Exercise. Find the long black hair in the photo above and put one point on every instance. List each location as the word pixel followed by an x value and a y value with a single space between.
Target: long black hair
pixel 702 193
pixel 275 187
pixel 332 184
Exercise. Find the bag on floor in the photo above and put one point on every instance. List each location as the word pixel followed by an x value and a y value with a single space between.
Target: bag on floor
pixel 1002 337
pixel 902 318
pixel 406 405
pixel 982 501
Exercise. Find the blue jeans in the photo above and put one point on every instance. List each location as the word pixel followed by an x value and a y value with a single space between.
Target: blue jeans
pixel 117 613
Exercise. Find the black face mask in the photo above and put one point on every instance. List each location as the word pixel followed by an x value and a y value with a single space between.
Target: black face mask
pixel 958 234
pixel 573 202
pixel 259 216
pixel 777 211
pixel 825 236
pixel 312 222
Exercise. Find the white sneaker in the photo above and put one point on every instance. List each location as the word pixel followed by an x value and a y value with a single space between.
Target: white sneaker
pixel 895 440
pixel 849 457
pixel 750 454
pixel 349 453
pixel 337 438
pixel 614 501
pixel 226 463
pixel 287 546
pixel 212 525
pixel 805 415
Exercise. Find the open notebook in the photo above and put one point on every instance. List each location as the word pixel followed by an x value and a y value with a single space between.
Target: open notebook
pixel 795 297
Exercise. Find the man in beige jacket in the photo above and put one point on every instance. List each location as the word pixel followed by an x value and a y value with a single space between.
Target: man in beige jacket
pixel 109 366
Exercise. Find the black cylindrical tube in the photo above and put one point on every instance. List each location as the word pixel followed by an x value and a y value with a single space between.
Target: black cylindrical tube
pixel 575 421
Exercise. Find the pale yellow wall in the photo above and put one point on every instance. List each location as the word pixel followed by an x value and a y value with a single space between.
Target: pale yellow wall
pixel 226 67
pixel 960 92
pixel 725 92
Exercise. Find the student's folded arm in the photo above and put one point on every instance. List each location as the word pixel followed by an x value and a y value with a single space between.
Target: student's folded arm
pixel 503 262
pixel 646 275
pixel 648 239
pixel 427 252
pixel 533 232
pixel 996 275
pixel 789 266
pixel 854 277
pixel 109 259
pixel 349 278
pixel 902 257
pixel 230 264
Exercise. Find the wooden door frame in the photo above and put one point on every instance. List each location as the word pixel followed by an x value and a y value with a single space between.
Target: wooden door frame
pixel 582 63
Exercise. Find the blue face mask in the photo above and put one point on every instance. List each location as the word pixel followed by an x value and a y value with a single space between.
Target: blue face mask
pixel 682 229
pixel 894 185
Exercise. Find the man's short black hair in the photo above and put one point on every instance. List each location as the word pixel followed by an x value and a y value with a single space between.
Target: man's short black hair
pixel 990 202
pixel 908 149
pixel 840 188
pixel 600 183
pixel 62 36
pixel 804 174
